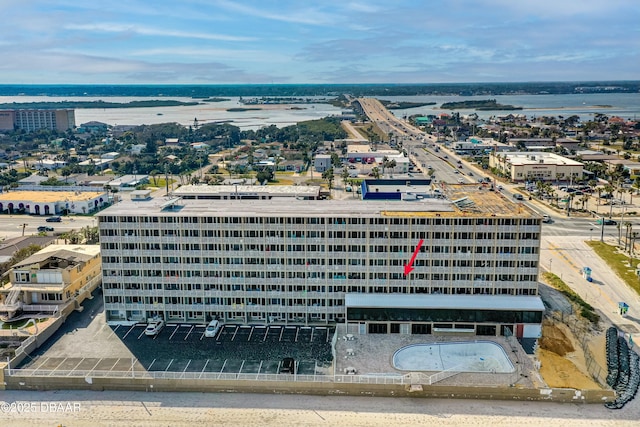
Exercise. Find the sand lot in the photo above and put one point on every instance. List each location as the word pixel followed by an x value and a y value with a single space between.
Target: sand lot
pixel 207 409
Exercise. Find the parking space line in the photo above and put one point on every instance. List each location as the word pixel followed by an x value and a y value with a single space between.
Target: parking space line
pixel 152 362
pixel 241 366
pixel 266 332
pixel 313 330
pixel 202 334
pixel 174 332
pixel 222 369
pixel 169 365
pixel 94 366
pixel 281 332
pixel 185 368
pixel 234 334
pixel 189 333
pixel 129 331
pixel 114 364
pixel 141 333
pixel 250 334
pixel 54 369
pixel 260 367
pixel 102 328
pixel 203 368
pixel 297 332
pixel 75 367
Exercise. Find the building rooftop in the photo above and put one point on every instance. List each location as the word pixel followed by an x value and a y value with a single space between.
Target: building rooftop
pixel 279 190
pixel 537 157
pixel 435 301
pixel 461 201
pixel 366 149
pixel 71 253
pixel 50 196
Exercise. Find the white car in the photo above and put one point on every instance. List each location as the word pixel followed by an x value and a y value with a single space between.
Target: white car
pixel 154 328
pixel 212 329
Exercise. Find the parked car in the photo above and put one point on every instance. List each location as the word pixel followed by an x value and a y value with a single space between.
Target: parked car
pixel 44 228
pixel 154 328
pixel 54 219
pixel 288 366
pixel 546 219
pixel 212 329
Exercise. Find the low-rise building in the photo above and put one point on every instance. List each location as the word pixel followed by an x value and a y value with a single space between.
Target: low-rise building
pixel 322 162
pixel 52 200
pixel 51 282
pixel 247 192
pixel 535 166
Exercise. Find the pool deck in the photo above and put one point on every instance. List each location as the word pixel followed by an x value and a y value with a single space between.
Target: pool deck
pixel 373 354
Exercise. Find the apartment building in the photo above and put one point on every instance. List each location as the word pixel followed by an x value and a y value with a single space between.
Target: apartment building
pixel 298 262
pixel 31 120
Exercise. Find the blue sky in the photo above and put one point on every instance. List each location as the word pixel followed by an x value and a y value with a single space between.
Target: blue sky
pixel 320 41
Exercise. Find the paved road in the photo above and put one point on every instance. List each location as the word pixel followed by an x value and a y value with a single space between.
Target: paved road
pixel 12 225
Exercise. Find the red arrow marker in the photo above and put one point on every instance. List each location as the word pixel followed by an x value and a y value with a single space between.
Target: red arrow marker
pixel 408 267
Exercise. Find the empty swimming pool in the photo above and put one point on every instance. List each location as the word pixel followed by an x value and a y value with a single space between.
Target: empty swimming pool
pixel 474 356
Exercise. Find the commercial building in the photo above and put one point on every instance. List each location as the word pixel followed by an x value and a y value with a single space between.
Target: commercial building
pixel 52 200
pixel 35 119
pixel 293 261
pixel 51 282
pixel 247 192
pixel 535 166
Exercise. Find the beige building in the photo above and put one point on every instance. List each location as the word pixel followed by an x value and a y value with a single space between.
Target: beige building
pixel 301 262
pixel 32 120
pixel 51 282
pixel 536 166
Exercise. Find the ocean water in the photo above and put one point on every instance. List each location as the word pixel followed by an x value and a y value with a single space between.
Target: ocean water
pixel 205 112
pixel 626 105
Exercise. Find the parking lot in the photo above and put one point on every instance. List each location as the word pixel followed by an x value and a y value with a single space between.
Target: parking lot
pixel 85 342
pixel 235 349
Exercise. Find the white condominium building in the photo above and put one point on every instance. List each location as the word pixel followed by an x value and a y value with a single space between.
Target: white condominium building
pixel 296 261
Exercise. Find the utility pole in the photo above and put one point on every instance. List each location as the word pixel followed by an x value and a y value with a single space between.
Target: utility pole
pixel 166 178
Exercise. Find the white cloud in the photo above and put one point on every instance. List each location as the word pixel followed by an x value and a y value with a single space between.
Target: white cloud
pixel 290 14
pixel 149 31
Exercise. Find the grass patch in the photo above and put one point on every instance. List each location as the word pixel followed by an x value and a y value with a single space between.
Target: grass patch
pixel 18 323
pixel 586 310
pixel 281 181
pixel 618 262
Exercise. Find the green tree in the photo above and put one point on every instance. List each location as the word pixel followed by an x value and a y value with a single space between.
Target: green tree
pixel 329 177
pixel 263 175
pixel 19 255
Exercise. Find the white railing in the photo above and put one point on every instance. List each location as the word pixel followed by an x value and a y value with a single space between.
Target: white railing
pixel 224 376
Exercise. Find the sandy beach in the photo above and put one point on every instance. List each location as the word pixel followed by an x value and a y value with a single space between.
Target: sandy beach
pixel 82 408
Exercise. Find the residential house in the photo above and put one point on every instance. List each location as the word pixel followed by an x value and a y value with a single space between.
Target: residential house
pixel 51 282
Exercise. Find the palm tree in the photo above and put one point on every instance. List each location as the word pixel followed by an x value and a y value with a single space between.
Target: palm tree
pixel 584 199
pixel 375 172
